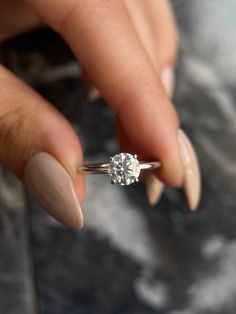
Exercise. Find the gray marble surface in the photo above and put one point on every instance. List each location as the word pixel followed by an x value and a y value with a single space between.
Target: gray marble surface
pixel 130 258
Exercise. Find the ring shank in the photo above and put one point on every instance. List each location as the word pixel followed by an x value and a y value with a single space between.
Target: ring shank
pixel 97 168
pixel 149 165
pixel 101 168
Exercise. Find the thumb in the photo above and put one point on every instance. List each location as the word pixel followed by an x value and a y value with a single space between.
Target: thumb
pixel 40 147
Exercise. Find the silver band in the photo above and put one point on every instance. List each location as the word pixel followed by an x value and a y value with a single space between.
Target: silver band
pixel 101 168
pixel 123 168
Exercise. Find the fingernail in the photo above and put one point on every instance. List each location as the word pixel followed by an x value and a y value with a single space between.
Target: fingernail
pixel 52 187
pixel 154 188
pixel 192 177
pixel 93 94
pixel 168 80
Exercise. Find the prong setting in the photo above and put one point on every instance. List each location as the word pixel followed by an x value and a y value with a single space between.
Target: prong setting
pixel 124 169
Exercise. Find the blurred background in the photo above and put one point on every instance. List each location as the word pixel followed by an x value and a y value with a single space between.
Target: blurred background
pixel 130 258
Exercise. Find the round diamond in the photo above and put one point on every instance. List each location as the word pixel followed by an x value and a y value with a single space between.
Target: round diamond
pixel 124 169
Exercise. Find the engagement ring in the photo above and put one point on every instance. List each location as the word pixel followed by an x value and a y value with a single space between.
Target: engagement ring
pixel 123 168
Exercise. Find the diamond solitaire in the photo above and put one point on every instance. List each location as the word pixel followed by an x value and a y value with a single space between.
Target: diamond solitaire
pixel 124 169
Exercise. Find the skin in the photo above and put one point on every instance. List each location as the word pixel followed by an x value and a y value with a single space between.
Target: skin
pixel 140 39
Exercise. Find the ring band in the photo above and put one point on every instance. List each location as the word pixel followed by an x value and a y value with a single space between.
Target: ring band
pixel 100 168
pixel 123 168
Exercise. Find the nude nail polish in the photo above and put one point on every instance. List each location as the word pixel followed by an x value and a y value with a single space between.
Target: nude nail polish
pixel 93 94
pixel 168 80
pixel 192 177
pixel 154 188
pixel 52 187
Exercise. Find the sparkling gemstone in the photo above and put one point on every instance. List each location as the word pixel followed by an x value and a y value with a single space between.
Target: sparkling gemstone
pixel 124 169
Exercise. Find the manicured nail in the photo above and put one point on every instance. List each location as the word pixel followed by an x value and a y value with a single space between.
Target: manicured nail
pixel 168 80
pixel 52 187
pixel 154 188
pixel 192 177
pixel 93 94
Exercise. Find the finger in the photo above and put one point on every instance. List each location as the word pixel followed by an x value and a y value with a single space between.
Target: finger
pixel 159 38
pixel 15 18
pixel 39 146
pixel 155 26
pixel 101 35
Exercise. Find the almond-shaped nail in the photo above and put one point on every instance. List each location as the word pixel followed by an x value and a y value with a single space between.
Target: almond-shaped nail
pixel 192 177
pixel 52 187
pixel 168 80
pixel 154 188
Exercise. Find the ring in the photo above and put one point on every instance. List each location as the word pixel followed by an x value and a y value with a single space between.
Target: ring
pixel 123 168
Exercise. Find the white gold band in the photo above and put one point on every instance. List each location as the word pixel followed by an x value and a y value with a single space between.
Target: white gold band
pixel 100 168
pixel 122 168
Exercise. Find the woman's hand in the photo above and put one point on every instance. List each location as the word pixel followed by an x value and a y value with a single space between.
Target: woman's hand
pixel 128 50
